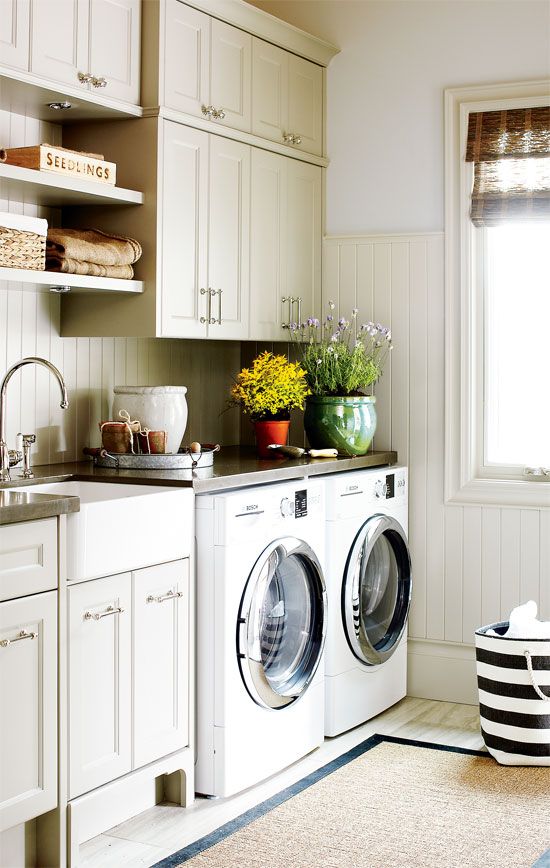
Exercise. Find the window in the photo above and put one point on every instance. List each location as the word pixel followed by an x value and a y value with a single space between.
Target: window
pixel 516 338
pixel 497 295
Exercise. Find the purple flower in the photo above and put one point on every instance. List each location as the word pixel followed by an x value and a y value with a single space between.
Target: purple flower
pixel 330 318
pixel 334 337
pixel 341 322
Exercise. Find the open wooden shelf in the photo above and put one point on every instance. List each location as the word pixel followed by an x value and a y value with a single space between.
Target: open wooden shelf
pixel 56 191
pixel 58 282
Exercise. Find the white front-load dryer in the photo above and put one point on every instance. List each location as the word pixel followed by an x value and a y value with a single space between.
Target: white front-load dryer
pixel 261 625
pixel 369 583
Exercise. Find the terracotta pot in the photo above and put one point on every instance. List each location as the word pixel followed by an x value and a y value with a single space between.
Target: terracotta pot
pixel 270 432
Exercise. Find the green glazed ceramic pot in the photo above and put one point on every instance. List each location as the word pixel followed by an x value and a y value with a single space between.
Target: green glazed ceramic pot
pixel 346 424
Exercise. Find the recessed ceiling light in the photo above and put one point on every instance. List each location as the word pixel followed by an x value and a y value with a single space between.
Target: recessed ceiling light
pixel 60 106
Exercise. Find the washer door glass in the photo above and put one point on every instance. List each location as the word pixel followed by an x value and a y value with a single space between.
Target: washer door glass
pixel 282 623
pixel 376 591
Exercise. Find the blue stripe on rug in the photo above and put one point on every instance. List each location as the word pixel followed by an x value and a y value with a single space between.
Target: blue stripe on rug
pixel 249 816
pixel 543 861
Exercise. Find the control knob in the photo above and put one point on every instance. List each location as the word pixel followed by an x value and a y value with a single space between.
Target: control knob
pixel 380 488
pixel 287 507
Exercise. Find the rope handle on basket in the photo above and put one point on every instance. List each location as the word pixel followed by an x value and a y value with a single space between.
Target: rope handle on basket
pixel 536 688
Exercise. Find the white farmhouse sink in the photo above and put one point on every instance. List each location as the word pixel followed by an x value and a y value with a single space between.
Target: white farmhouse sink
pixel 123 527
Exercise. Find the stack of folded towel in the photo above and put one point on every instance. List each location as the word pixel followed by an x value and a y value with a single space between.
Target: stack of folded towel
pixel 92 252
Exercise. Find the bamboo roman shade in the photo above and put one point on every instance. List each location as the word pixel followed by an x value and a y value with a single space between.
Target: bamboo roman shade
pixel 511 155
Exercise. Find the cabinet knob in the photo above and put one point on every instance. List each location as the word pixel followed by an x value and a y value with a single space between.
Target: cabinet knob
pixel 84 77
pixel 98 82
pixel 218 114
pixel 208 111
pixel 292 139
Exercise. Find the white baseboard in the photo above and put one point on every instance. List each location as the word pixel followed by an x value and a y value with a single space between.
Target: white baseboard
pixel 442 670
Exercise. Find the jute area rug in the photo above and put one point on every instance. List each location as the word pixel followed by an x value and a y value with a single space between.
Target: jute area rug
pixel 391 802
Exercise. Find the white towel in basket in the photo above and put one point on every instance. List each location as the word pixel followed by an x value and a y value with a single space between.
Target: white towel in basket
pixel 524 624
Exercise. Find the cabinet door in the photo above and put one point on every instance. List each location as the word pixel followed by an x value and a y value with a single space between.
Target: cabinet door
pixel 305 103
pixel 184 231
pixel 304 237
pixel 160 660
pixel 187 58
pixel 99 682
pixel 268 246
pixel 28 708
pixel 14 33
pixel 229 238
pixel 59 42
pixel 230 75
pixel 269 91
pixel 115 48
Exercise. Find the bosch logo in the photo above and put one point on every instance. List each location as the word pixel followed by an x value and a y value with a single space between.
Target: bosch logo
pixel 352 487
pixel 252 507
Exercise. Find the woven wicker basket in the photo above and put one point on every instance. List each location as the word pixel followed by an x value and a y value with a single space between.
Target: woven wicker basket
pixel 22 249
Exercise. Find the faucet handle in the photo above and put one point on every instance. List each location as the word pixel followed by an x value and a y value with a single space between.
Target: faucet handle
pixel 28 440
pixel 15 456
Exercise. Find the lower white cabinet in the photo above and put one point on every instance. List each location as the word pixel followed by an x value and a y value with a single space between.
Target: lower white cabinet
pixel 100 687
pixel 28 708
pixel 161 661
pixel 128 672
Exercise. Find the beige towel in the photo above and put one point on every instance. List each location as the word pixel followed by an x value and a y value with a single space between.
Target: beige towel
pixel 92 245
pixel 75 266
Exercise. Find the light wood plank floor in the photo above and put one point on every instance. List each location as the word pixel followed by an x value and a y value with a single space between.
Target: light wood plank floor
pixel 162 830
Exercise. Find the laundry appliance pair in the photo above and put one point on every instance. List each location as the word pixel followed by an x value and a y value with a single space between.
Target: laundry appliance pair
pixel 303 591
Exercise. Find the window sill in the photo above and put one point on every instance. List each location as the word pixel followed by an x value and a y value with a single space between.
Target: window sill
pixel 502 492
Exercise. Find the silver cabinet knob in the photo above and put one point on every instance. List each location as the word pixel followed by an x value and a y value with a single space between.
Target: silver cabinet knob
pixel 98 82
pixel 208 111
pixel 84 77
pixel 292 139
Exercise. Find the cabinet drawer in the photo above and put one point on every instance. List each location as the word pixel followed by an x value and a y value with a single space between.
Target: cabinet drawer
pixel 28 558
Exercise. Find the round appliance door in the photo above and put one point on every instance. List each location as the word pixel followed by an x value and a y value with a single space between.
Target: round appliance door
pixel 376 591
pixel 282 623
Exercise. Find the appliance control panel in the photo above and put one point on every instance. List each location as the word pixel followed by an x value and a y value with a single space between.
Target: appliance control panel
pixel 245 513
pixel 295 507
pixel 390 486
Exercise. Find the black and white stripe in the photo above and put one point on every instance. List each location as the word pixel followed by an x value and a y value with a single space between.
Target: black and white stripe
pixel 515 719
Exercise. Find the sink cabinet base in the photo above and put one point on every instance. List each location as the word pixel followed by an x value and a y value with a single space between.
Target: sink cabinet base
pixel 107 806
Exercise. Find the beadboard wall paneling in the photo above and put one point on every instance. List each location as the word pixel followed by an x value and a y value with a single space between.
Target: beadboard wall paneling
pixel 472 564
pixel 29 325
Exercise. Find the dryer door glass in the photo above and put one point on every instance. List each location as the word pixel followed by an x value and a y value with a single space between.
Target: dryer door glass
pixel 376 592
pixel 282 623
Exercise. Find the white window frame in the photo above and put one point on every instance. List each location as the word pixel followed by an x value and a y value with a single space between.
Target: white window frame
pixel 464 343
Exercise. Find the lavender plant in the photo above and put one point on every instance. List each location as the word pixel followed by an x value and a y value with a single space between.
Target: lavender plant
pixel 341 357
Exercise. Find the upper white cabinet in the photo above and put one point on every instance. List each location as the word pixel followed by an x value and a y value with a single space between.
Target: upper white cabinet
pixel 230 75
pixel 205 241
pixel 285 244
pixel 14 33
pixel 28 707
pixel 92 44
pixel 187 57
pixel 114 48
pixel 207 68
pixel 287 98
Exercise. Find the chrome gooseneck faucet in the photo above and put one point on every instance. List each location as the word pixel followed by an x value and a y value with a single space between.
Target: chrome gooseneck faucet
pixel 7 460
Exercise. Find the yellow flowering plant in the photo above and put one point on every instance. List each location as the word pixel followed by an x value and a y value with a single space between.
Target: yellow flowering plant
pixel 270 388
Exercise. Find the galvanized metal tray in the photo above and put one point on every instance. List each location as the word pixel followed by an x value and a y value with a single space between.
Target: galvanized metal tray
pixel 174 461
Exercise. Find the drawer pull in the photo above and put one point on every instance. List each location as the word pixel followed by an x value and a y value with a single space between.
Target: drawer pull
pixel 98 81
pixel 96 616
pixel 22 635
pixel 171 595
pixel 84 77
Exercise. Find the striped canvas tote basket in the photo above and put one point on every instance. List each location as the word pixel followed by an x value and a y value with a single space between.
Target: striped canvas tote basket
pixel 513 677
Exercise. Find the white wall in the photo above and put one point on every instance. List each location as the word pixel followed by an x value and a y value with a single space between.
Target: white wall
pixel 386 147
pixel 29 325
pixel 385 94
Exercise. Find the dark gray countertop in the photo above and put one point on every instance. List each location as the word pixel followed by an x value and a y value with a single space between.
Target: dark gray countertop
pixel 234 467
pixel 23 505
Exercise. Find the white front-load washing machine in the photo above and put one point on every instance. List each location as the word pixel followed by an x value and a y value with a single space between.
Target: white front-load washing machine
pixel 261 624
pixel 368 575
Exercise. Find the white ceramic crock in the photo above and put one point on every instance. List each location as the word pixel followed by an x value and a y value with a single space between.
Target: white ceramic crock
pixel 159 408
